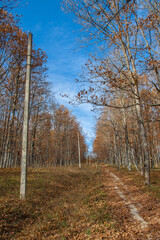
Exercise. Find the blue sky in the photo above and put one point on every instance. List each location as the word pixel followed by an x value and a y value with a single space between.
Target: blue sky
pixel 56 33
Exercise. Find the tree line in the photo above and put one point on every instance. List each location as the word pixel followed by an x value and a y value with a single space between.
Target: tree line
pixel 123 78
pixel 53 129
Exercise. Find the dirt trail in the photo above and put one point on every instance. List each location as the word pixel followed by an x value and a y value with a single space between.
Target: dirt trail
pixel 137 213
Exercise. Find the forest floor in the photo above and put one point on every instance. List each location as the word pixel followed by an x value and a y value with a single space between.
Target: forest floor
pixel 80 204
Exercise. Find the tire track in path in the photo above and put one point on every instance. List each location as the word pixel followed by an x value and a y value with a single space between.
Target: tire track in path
pixel 132 207
pixel 122 196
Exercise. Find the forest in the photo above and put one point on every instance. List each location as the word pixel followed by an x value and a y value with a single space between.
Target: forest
pixel 112 192
pixel 123 80
pixel 53 130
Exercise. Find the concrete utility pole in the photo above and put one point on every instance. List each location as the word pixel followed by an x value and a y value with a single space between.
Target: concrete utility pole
pixel 26 122
pixel 79 150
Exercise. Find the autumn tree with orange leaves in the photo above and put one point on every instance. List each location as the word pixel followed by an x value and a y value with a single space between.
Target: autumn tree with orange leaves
pixel 125 66
pixel 65 132
pixel 13 67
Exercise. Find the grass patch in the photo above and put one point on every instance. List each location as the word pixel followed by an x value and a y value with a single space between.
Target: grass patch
pixel 62 203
